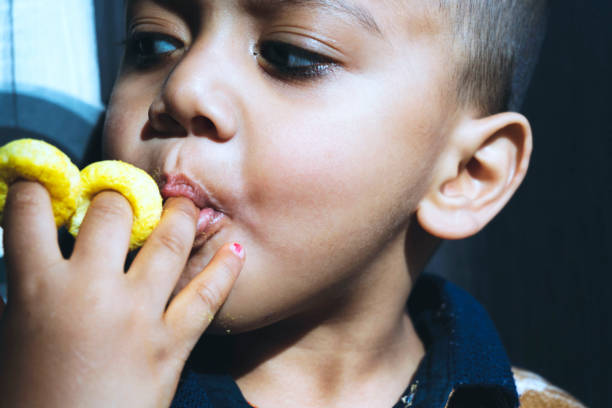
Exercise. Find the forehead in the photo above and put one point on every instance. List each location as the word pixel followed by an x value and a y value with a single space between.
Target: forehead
pixel 352 10
pixel 380 17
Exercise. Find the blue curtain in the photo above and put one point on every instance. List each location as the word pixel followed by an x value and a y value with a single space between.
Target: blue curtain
pixel 57 64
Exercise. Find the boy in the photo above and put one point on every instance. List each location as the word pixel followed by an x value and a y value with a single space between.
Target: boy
pixel 334 141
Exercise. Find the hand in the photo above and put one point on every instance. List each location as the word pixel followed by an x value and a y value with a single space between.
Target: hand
pixel 82 332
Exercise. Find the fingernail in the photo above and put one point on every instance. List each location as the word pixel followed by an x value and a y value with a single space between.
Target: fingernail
pixel 237 249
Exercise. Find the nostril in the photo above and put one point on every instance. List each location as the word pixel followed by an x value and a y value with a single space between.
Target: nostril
pixel 165 123
pixel 162 125
pixel 202 126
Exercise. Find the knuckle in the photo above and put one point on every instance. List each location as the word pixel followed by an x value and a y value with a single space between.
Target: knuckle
pixel 108 207
pixel 210 296
pixel 162 354
pixel 227 267
pixel 41 284
pixel 26 196
pixel 212 293
pixel 34 288
pixel 173 243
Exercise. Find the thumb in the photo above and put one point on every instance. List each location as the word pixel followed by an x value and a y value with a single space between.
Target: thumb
pixel 192 310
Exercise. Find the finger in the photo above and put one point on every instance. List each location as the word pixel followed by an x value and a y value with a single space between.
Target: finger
pixel 192 310
pixel 104 235
pixel 161 260
pixel 30 234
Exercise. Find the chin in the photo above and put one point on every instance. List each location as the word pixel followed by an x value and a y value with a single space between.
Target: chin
pixel 227 322
pixel 223 325
pixel 238 316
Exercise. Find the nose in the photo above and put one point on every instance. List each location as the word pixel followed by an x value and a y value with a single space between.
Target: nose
pixel 196 99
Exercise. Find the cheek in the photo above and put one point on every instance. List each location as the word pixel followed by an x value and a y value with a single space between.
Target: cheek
pixel 126 116
pixel 325 193
pixel 336 177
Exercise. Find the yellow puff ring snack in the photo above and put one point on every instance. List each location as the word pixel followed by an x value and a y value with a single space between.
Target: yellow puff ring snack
pixel 133 183
pixel 71 192
pixel 36 160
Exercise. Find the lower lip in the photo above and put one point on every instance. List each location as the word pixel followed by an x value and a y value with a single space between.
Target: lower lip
pixel 209 223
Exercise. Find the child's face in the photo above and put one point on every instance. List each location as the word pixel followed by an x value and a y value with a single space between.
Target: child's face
pixel 314 127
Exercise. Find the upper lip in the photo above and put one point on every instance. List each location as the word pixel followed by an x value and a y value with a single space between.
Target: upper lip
pixel 180 185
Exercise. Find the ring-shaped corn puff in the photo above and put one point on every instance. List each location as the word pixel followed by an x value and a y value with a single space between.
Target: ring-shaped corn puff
pixel 39 161
pixel 134 184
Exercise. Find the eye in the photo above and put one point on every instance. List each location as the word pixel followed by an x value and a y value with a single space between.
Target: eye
pixel 288 61
pixel 146 49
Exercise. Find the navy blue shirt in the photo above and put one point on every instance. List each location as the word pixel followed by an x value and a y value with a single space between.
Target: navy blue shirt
pixel 465 364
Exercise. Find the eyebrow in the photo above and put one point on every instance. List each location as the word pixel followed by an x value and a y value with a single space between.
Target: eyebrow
pixel 357 13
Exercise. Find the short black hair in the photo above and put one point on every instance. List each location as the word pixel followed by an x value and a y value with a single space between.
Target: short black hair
pixel 497 43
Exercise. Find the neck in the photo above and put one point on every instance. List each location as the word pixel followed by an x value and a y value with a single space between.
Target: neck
pixel 359 350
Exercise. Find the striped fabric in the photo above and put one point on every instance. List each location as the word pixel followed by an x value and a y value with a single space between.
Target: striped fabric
pixel 49 75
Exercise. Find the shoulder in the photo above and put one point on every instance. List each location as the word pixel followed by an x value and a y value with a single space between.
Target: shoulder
pixel 535 392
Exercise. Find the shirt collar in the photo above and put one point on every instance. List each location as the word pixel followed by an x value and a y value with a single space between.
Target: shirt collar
pixel 465 364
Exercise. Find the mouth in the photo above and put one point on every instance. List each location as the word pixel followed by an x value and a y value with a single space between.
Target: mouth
pixel 210 220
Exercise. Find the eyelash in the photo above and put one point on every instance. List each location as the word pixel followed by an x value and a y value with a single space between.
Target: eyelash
pixel 279 59
pixel 287 61
pixel 140 49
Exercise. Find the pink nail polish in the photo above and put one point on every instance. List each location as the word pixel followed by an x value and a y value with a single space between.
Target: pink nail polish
pixel 237 249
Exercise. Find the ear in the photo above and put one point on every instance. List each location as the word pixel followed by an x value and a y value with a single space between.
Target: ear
pixel 485 162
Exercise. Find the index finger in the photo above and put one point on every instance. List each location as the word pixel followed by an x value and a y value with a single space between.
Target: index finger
pixel 30 234
pixel 163 257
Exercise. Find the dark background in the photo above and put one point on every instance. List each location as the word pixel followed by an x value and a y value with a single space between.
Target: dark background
pixel 542 267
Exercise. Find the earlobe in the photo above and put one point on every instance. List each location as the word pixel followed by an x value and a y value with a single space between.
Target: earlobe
pixel 485 162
